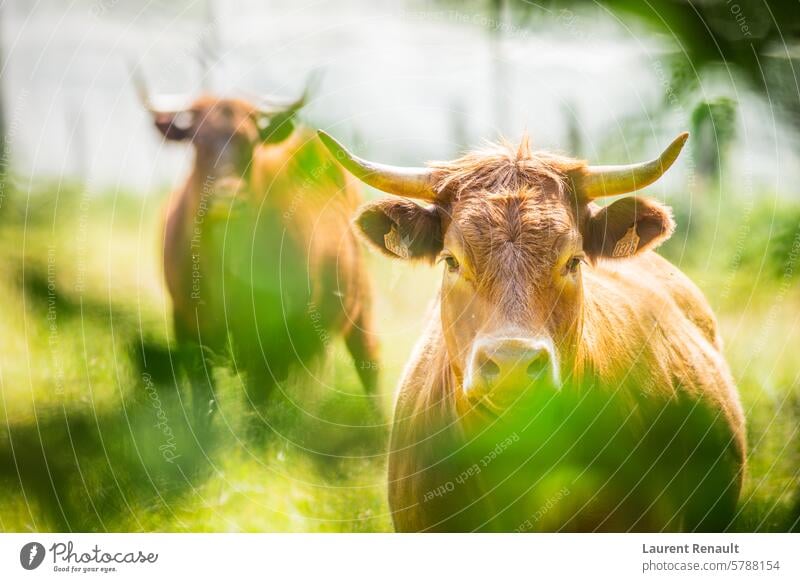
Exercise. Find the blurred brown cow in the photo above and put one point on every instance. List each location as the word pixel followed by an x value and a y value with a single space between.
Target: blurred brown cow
pixel 570 378
pixel 259 256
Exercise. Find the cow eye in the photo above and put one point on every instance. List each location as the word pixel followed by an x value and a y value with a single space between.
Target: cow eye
pixel 574 263
pixel 451 262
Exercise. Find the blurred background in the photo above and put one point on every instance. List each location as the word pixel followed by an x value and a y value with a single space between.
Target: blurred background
pixel 86 364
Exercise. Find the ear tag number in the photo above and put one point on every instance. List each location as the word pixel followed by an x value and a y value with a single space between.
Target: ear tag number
pixel 395 243
pixel 627 245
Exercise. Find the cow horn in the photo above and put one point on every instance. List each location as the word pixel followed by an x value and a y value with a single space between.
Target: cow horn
pixel 165 104
pixel 598 181
pixel 407 182
pixel 272 104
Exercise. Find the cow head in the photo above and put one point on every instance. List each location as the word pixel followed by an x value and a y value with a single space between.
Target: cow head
pixel 514 230
pixel 224 133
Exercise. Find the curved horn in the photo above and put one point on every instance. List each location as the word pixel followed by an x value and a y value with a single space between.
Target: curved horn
pixel 407 182
pixel 272 104
pixel 599 181
pixel 165 103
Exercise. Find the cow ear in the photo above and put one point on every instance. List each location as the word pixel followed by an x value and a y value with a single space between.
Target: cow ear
pixel 402 229
pixel 627 227
pixel 276 128
pixel 175 126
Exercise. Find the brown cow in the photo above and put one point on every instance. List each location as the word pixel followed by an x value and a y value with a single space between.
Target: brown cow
pixel 570 378
pixel 259 256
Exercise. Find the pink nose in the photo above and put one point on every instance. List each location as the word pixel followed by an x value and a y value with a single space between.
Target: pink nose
pixel 509 362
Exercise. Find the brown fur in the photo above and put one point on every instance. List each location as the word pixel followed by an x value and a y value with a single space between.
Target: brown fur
pixel 631 332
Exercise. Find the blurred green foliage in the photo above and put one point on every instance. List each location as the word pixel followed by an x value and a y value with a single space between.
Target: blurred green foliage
pixel 713 126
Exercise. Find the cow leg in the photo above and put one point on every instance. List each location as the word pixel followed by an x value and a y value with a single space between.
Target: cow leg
pixel 197 366
pixel 363 347
pixel 259 385
pixel 262 373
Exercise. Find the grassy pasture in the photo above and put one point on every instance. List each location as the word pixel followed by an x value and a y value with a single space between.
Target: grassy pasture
pixel 94 435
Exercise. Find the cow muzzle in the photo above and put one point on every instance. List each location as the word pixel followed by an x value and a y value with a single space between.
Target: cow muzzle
pixel 501 368
pixel 229 199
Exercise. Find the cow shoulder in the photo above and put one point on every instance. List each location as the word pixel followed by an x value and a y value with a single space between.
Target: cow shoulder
pixel 665 283
pixel 667 324
pixel 650 306
pixel 664 342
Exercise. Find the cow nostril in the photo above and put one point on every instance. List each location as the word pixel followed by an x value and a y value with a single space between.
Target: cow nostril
pixel 489 369
pixel 538 366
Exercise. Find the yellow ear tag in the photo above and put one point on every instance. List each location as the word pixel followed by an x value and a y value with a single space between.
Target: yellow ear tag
pixel 395 244
pixel 627 245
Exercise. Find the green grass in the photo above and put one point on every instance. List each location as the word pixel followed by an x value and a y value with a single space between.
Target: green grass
pixel 86 366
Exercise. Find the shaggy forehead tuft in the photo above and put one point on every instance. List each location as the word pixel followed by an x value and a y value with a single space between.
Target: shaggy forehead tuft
pixel 504 167
pixel 512 228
